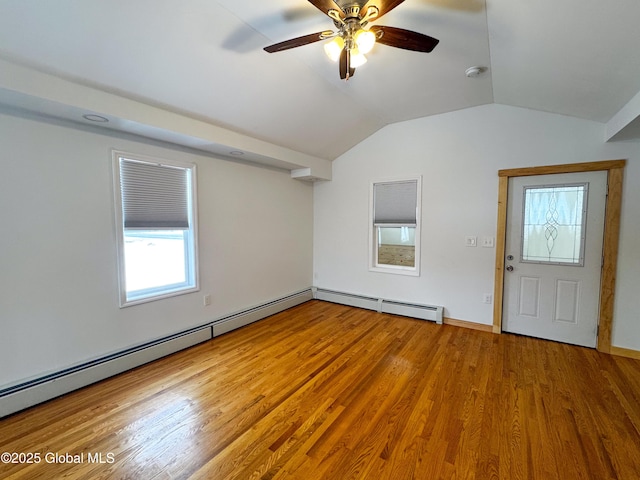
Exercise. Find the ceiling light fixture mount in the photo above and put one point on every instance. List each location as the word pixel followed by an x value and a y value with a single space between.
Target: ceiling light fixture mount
pixel 474 72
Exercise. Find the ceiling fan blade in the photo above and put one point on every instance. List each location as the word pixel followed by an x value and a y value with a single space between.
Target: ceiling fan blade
pixel 406 39
pixel 296 42
pixel 384 6
pixel 325 5
pixel 344 63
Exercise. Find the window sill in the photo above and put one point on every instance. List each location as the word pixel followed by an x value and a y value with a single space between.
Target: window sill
pixel 412 272
pixel 152 298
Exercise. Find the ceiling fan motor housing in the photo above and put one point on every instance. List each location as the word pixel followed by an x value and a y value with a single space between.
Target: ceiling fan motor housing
pixel 352 11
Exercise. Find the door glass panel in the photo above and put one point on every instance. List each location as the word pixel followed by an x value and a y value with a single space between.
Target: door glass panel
pixel 553 224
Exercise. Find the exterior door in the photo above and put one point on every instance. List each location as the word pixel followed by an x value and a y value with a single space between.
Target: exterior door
pixel 553 251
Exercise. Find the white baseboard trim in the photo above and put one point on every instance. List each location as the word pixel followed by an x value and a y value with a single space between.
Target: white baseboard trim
pixel 21 396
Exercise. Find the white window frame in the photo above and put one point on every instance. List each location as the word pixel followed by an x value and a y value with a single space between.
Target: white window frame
pixel 374 266
pixel 191 234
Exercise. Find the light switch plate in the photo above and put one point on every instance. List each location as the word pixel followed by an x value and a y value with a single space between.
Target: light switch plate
pixel 487 242
pixel 471 241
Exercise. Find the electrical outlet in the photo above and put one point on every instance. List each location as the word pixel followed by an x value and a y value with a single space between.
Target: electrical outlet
pixel 206 300
pixel 487 298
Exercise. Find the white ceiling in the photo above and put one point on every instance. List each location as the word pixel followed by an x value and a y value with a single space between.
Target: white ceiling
pixel 204 59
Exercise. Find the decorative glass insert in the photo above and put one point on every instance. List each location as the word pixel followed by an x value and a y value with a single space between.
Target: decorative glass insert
pixel 553 226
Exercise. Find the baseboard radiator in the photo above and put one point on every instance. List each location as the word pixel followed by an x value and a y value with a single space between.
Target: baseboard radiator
pixel 35 391
pixel 245 317
pixel 415 310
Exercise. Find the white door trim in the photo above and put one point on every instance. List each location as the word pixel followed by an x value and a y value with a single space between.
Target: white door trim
pixel 615 171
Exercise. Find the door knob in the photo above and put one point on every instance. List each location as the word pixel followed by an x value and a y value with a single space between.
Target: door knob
pixel 510 268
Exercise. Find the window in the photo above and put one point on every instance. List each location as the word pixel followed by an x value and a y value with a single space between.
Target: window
pixel 553 224
pixel 155 219
pixel 395 226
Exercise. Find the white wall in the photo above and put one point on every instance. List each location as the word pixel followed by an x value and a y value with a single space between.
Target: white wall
pixel 459 154
pixel 58 276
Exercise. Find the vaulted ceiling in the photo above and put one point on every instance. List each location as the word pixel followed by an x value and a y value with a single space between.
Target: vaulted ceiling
pixel 204 59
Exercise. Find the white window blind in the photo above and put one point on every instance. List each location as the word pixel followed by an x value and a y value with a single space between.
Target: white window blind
pixel 154 196
pixel 395 203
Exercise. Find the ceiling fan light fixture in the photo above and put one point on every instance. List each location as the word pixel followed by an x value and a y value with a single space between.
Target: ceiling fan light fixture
pixel 357 59
pixel 365 40
pixel 333 48
pixel 354 37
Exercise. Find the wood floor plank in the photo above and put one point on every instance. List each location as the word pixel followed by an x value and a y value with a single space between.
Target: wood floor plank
pixel 324 391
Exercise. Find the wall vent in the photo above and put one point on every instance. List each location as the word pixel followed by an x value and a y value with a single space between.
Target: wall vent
pixel 414 310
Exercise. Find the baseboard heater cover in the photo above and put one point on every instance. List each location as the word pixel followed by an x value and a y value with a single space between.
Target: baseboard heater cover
pixel 245 317
pixel 30 393
pixel 54 385
pixel 406 309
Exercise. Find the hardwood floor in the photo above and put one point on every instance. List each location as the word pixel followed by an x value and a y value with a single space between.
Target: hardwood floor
pixel 324 391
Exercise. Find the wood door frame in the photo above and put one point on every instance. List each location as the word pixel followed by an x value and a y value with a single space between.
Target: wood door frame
pixel 615 175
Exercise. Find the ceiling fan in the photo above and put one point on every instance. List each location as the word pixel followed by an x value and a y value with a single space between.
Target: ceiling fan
pixel 353 39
